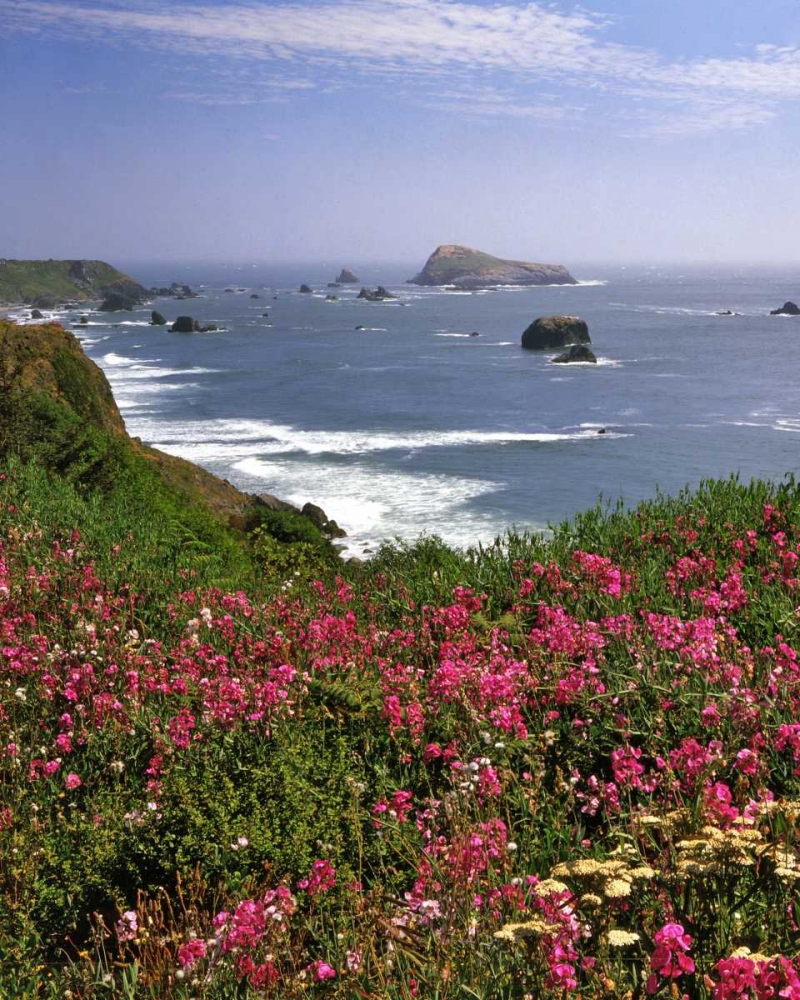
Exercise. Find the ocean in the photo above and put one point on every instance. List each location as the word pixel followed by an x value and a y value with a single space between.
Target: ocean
pixel 397 421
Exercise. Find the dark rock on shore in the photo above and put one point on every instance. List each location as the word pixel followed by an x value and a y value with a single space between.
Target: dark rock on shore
pixel 466 269
pixel 274 503
pixel 320 520
pixel 379 295
pixel 346 277
pixel 118 302
pixel 787 309
pixel 576 353
pixel 45 301
pixel 306 290
pixel 36 314
pixel 548 332
pixel 156 319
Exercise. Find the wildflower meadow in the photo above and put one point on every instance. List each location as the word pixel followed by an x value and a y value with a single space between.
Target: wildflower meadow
pixel 545 768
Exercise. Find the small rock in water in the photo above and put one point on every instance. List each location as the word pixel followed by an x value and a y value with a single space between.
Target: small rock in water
pixel 787 309
pixel 305 289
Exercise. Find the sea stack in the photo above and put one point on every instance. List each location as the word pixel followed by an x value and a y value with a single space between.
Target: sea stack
pixel 346 277
pixel 787 309
pixel 548 332
pixel 466 269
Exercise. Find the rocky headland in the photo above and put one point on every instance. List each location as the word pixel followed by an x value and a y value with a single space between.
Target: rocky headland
pixel 46 283
pixel 467 270
pixel 50 387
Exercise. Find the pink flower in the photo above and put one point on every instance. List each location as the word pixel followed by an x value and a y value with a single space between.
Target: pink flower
pixel 669 960
pixel 322 971
pixel 190 952
pixel 321 878
pixel 72 781
pixel 127 926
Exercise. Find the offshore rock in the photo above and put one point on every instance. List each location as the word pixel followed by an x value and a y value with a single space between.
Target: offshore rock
pixel 306 289
pixel 36 314
pixel 576 353
pixel 183 324
pixel 346 277
pixel 156 319
pixel 787 309
pixel 379 295
pixel 548 332
pixel 466 269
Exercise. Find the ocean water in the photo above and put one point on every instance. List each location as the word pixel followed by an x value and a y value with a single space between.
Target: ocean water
pixel 411 425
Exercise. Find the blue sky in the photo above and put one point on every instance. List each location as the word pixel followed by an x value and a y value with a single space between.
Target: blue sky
pixel 360 130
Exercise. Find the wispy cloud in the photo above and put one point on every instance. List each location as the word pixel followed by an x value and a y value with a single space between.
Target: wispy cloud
pixel 529 44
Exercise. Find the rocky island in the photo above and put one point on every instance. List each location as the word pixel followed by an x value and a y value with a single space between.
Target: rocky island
pixel 468 269
pixel 347 277
pixel 46 283
pixel 548 332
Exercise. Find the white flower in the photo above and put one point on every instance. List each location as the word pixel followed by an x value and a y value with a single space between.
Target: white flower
pixel 21 694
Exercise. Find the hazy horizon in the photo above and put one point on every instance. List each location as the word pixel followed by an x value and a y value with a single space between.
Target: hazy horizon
pixel 355 131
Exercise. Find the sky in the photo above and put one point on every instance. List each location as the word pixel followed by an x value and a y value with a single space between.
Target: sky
pixel 373 130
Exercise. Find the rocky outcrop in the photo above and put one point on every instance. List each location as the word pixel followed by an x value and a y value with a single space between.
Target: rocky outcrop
pixel 156 319
pixel 185 324
pixel 36 314
pixel 306 289
pixel 346 277
pixel 320 520
pixel 45 301
pixel 548 332
pixel 117 302
pixel 466 269
pixel 577 353
pixel 787 309
pixel 174 291
pixel 379 295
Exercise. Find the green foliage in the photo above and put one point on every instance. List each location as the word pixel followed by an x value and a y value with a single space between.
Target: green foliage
pixel 24 280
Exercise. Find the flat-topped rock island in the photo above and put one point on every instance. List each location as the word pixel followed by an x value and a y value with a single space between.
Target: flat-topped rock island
pixel 468 269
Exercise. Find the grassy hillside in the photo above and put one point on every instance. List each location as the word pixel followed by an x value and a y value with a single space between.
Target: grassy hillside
pixel 26 280
pixel 546 768
pixel 232 768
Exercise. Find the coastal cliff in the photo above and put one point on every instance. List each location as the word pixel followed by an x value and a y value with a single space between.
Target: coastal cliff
pixel 470 269
pixel 53 281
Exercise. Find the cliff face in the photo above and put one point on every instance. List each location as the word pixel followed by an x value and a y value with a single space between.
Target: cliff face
pixel 469 269
pixel 81 280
